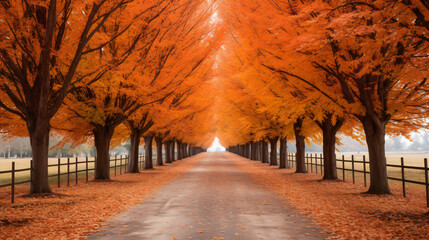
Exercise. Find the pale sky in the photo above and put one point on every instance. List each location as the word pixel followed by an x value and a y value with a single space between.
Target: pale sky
pixel 216 147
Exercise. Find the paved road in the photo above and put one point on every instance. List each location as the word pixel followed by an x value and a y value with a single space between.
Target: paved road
pixel 214 200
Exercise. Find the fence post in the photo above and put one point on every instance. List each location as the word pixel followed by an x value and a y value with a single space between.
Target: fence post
pixel 86 161
pixel 77 160
pixel 315 159
pixel 311 162
pixel 115 164
pixel 68 172
pixel 12 186
pixel 293 159
pixel 125 163
pixel 344 171
pixel 321 163
pixel 364 170
pixel 353 168
pixel 120 164
pixel 427 181
pixel 59 173
pixel 403 177
pixel 287 159
pixel 306 161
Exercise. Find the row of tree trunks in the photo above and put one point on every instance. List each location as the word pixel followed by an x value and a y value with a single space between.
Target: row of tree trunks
pixel 374 132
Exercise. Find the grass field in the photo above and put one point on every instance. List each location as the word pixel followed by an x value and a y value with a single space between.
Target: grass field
pixel 410 159
pixel 24 163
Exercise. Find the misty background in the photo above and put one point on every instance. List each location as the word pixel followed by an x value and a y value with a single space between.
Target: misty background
pixel 20 147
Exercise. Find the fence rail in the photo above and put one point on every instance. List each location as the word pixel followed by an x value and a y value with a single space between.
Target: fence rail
pixel 118 165
pixel 315 161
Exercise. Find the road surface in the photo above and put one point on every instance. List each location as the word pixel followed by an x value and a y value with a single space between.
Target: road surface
pixel 214 200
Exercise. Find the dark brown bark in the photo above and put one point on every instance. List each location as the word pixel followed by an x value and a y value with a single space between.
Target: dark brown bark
pixel 185 151
pixel 252 150
pixel 375 133
pixel 39 139
pixel 133 162
pixel 159 161
pixel 300 147
pixel 180 151
pixel 36 92
pixel 173 152
pixel 184 148
pixel 283 153
pixel 273 154
pixel 167 147
pixel 102 137
pixel 148 152
pixel 137 128
pixel 264 152
pixel 329 131
pixel 246 150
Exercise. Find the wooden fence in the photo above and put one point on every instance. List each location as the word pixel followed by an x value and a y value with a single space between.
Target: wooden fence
pixel 315 162
pixel 74 167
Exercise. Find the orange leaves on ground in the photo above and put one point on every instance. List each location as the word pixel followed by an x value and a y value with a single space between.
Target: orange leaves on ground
pixel 78 210
pixel 342 208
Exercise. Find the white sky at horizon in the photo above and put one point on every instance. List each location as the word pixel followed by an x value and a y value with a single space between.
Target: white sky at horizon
pixel 216 146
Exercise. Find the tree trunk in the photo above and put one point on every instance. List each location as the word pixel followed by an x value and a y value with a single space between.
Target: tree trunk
pixel 133 162
pixel 184 148
pixel 173 152
pixel 167 147
pixel 273 154
pixel 159 151
pixel 264 152
pixel 329 131
pixel 300 147
pixel 375 133
pixel 148 152
pixel 39 139
pixel 283 153
pixel 179 151
pixel 252 151
pixel 102 137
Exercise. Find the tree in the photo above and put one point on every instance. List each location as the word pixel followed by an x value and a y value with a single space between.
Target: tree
pixel 358 66
pixel 40 53
pixel 118 92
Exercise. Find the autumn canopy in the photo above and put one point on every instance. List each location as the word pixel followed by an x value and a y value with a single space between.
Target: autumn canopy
pixel 178 73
